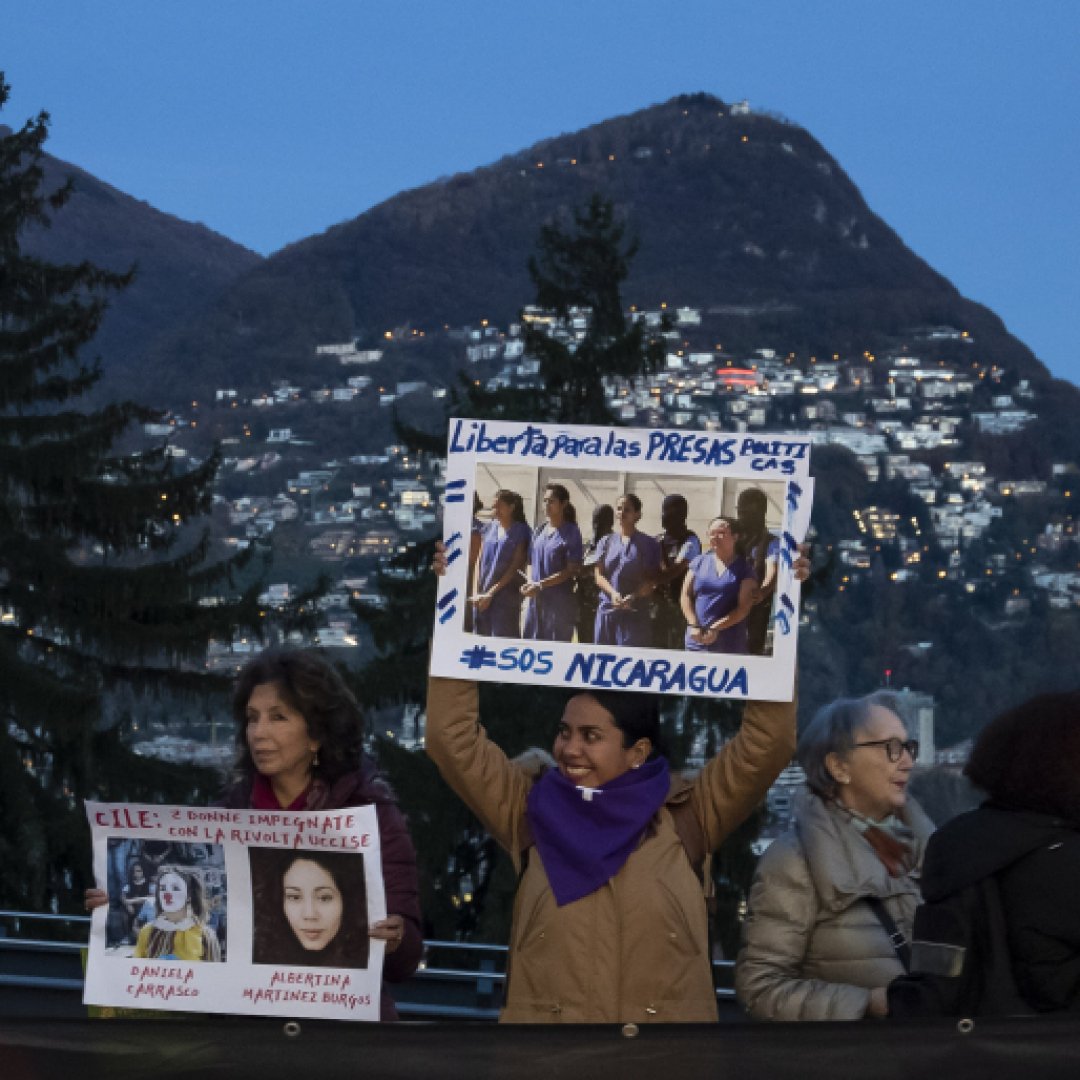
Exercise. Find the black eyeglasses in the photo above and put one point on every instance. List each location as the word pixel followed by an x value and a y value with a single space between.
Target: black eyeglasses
pixel 894 747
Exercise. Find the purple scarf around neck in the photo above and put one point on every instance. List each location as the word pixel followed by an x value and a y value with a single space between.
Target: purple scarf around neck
pixel 584 835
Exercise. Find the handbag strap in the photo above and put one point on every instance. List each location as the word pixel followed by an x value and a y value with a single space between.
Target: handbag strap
pixel 896 935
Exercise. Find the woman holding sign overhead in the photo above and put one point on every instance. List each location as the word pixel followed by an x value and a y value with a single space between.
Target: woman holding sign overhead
pixel 610 923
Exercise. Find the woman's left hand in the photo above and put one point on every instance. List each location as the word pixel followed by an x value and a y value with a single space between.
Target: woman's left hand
pixel 95 898
pixel 391 930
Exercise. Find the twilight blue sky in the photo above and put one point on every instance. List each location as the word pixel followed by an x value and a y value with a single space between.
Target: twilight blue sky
pixel 270 120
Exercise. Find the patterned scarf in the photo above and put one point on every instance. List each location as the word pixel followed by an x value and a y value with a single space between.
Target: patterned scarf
pixel 891 839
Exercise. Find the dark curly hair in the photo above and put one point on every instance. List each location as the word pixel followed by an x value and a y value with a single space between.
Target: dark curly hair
pixel 1028 758
pixel 273 940
pixel 313 686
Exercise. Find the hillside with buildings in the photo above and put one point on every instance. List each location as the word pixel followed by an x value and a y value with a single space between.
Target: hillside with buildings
pixel 944 519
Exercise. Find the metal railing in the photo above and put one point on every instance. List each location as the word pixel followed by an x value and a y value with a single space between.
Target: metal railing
pixel 455 980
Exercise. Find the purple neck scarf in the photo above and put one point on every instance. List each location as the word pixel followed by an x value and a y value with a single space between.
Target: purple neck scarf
pixel 584 835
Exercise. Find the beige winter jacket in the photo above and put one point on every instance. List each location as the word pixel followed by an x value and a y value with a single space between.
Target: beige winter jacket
pixel 637 948
pixel 813 948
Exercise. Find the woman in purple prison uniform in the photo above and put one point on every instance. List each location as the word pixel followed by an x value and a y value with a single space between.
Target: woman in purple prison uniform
pixel 718 593
pixel 504 551
pixel 555 559
pixel 628 562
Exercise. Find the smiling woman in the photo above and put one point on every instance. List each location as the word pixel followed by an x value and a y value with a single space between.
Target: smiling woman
pixel 610 922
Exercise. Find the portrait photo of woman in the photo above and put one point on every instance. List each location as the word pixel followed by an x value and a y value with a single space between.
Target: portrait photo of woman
pixel 310 908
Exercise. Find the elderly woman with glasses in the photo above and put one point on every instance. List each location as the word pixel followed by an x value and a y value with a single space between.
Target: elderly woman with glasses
pixel 833 900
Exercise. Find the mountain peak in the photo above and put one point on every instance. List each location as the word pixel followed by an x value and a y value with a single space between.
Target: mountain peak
pixel 734 210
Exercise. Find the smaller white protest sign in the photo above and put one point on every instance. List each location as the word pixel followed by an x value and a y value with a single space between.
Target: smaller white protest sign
pixel 237 911
pixel 620 558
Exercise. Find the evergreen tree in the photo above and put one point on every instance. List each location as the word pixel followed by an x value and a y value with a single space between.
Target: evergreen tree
pixel 102 561
pixel 581 268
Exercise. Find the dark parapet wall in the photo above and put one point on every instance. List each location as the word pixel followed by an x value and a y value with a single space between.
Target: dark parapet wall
pixel 1028 1048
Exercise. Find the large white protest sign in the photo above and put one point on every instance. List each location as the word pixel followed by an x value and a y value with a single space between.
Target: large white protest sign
pixel 237 911
pixel 629 637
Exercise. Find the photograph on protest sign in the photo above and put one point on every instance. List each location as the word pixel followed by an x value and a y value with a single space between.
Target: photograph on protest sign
pixel 244 911
pixel 166 899
pixel 651 560
pixel 308 908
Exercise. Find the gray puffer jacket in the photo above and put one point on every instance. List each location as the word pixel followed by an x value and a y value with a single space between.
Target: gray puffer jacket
pixel 812 948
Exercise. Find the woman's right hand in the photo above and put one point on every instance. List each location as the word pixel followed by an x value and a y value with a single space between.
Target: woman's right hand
pixel 95 898
pixel 438 562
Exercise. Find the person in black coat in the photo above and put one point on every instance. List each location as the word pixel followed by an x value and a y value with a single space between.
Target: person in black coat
pixel 1026 836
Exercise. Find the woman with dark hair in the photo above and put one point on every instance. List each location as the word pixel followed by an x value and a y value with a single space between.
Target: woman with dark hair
pixel 299 733
pixel 829 894
pixel 588 594
pixel 555 556
pixel 1026 836
pixel 718 593
pixel 309 908
pixel 180 929
pixel 299 739
pixel 610 922
pixel 504 553
pixel 627 566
